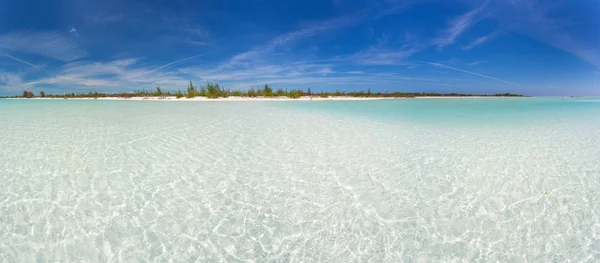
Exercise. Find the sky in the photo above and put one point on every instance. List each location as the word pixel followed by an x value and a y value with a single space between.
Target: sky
pixel 531 47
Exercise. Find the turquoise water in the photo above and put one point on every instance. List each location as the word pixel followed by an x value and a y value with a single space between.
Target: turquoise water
pixel 423 180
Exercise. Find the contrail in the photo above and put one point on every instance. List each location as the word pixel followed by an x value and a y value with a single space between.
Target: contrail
pixel 169 64
pixel 23 61
pixel 466 71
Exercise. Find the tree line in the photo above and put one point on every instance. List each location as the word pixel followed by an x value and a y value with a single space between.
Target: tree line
pixel 214 90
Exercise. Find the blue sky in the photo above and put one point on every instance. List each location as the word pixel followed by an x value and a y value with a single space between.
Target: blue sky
pixel 532 47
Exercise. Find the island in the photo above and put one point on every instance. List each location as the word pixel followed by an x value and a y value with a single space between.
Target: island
pixel 215 91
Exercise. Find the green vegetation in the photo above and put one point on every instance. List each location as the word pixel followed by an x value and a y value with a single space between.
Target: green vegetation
pixel 28 94
pixel 267 91
pixel 178 94
pixel 191 91
pixel 280 93
pixel 214 90
pixel 251 93
pixel 295 93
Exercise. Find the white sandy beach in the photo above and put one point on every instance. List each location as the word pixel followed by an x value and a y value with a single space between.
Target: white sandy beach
pixel 232 98
pixel 303 98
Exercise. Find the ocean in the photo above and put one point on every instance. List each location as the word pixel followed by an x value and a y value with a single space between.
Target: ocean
pixel 412 180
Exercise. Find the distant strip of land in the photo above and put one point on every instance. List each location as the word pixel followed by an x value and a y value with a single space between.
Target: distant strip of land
pixel 214 91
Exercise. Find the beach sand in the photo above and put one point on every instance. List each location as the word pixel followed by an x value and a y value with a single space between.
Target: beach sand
pixel 232 98
pixel 303 98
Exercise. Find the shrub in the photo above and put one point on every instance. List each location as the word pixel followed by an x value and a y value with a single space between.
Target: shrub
pixel 280 93
pixel 267 91
pixel 178 94
pixel 191 91
pixel 295 93
pixel 251 93
pixel 237 93
pixel 202 91
pixel 224 93
pixel 212 90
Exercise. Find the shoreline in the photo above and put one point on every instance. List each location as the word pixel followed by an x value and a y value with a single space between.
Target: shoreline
pixel 231 98
pixel 242 99
pixel 469 97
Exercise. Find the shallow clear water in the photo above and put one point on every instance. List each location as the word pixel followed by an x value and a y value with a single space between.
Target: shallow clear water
pixel 382 181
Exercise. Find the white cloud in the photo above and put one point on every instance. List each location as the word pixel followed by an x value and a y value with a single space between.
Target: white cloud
pixel 311 29
pixel 118 75
pixel 10 78
pixel 475 63
pixel 480 40
pixel 382 54
pixel 51 44
pixel 294 74
pixel 538 20
pixel 458 26
pixel 196 42
pixel 324 71
pixel 130 74
pixel 11 81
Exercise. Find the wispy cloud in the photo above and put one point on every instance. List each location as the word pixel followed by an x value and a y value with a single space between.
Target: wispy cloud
pixel 310 29
pixel 355 72
pixel 183 29
pixel 192 34
pixel 324 71
pixel 391 7
pixel 83 73
pixel 195 31
pixel 101 19
pixel 169 64
pixel 51 44
pixel 571 45
pixel 378 56
pixel 258 72
pixel 458 26
pixel 22 61
pixel 475 63
pixel 118 75
pixel 466 71
pixel 299 73
pixel 382 53
pixel 481 40
pixel 538 20
pixel 314 28
pixel 10 81
pixel 74 31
